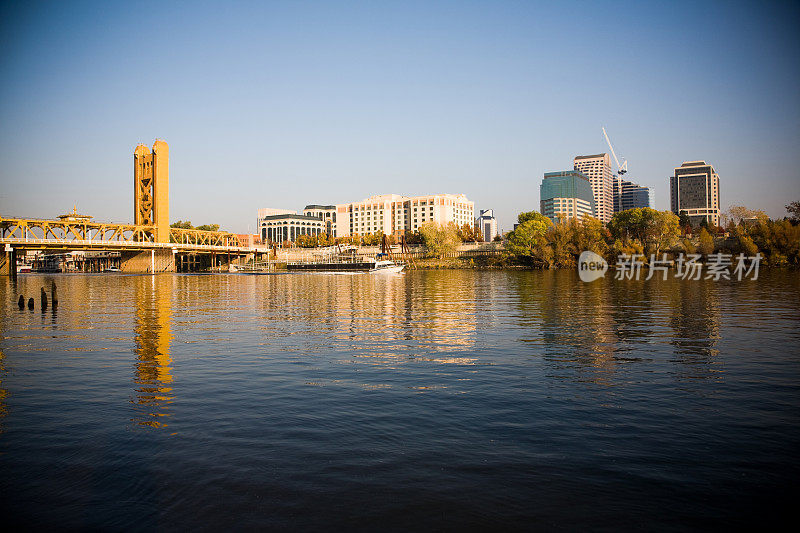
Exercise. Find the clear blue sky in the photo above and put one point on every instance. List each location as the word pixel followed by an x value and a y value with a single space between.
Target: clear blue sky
pixel 280 104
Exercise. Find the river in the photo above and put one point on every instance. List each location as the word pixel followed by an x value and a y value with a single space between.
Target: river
pixel 426 400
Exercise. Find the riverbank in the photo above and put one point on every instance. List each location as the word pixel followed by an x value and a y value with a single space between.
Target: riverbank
pixel 464 263
pixel 499 262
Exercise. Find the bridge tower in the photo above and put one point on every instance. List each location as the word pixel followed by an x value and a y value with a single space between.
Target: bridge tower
pixel 151 188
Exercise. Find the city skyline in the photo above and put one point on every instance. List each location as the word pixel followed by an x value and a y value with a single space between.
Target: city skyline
pixel 291 103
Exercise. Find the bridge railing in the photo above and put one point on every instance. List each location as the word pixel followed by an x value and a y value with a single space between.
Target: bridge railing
pixel 45 230
pixel 96 234
pixel 207 238
pixel 112 245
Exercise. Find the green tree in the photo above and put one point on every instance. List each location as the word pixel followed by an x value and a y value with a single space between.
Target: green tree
pixel 208 227
pixel 532 215
pixel 627 225
pixel 527 241
pixel 683 220
pixel 439 239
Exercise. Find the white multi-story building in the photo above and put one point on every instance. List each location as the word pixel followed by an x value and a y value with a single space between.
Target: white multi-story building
pixel 271 211
pixel 486 224
pixel 326 213
pixel 598 169
pixel 280 228
pixel 393 214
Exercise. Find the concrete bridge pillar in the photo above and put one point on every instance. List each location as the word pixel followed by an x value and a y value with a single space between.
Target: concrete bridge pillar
pixel 147 261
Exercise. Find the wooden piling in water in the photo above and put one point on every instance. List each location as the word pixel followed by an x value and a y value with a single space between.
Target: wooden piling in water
pixel 44 299
pixel 30 303
pixel 54 294
pixel 21 302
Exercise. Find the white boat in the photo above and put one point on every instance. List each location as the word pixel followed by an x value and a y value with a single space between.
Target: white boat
pixel 387 266
pixel 111 269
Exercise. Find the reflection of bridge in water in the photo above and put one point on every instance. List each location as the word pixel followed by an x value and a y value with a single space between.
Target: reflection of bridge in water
pixel 153 335
pixel 147 245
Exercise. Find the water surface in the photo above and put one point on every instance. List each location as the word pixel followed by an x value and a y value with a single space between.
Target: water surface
pixel 428 400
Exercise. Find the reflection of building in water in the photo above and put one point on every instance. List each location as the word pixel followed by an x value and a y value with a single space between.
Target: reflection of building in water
pixel 153 374
pixel 574 322
pixel 695 322
pixel 387 318
pixel 398 317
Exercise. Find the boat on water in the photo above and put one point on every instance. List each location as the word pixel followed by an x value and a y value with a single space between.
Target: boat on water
pixel 111 269
pixel 387 266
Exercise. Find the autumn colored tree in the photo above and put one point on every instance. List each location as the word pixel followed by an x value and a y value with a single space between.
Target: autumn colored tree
pixel 439 239
pixel 794 211
pixel 655 230
pixel 706 244
pixel 372 239
pixel 468 233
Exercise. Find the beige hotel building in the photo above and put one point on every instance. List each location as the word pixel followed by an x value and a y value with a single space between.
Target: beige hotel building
pixel 394 214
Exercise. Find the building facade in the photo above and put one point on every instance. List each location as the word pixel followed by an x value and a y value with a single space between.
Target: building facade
pixel 288 227
pixel 597 168
pixel 270 211
pixel 629 195
pixel 393 214
pixel 565 195
pixel 326 213
pixel 486 224
pixel 694 189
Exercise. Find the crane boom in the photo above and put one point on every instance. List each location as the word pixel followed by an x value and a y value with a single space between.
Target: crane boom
pixel 623 168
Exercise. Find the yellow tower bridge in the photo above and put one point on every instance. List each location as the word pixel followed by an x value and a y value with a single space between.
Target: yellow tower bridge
pixel 147 245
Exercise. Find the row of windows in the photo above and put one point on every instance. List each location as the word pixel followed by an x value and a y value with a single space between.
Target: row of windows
pixel 287 233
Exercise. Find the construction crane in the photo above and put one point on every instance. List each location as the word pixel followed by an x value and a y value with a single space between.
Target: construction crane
pixel 623 168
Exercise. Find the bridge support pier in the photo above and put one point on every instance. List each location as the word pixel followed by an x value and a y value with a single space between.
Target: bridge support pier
pixel 8 263
pixel 146 262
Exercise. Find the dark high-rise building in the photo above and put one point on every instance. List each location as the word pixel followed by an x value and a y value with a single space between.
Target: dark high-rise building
pixel 694 189
pixel 629 195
